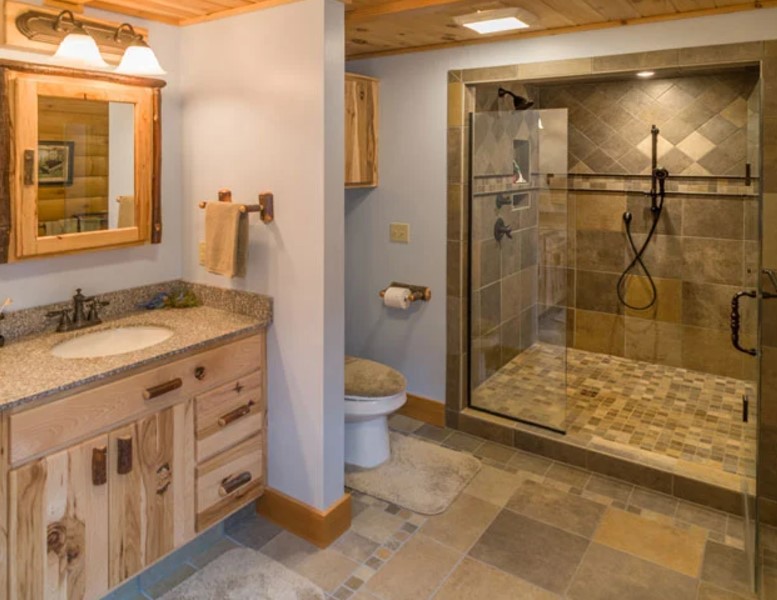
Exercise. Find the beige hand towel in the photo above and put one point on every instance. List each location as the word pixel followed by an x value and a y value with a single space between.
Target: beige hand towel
pixel 226 239
pixel 126 211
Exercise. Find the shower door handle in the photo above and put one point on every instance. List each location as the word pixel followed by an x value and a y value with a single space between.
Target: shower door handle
pixel 736 322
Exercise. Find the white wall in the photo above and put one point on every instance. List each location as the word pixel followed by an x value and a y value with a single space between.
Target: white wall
pixel 42 281
pixel 413 178
pixel 263 110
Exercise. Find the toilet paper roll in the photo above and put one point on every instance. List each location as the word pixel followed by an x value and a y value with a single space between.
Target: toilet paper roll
pixel 397 297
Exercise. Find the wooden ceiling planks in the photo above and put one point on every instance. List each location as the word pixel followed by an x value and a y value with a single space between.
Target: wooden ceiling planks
pixel 372 29
pixel 375 27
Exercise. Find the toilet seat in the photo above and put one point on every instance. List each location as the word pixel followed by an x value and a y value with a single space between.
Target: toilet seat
pixel 367 380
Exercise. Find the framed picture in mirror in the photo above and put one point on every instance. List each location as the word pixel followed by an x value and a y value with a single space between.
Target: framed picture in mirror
pixel 55 162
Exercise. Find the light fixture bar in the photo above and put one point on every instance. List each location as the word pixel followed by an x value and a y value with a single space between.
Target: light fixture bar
pixel 39 26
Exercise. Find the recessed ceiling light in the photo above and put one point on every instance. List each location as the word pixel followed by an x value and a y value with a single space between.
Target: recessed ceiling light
pixel 646 74
pixel 496 21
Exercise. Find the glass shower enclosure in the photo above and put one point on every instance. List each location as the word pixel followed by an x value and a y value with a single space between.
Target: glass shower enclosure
pixel 519 265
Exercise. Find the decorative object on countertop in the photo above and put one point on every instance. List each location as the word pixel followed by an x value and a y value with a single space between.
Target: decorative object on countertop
pixel 79 319
pixel 401 295
pixel 179 298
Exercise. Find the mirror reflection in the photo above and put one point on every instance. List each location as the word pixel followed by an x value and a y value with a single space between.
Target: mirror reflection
pixel 86 166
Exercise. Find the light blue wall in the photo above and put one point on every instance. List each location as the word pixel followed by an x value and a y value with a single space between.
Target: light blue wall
pixel 413 178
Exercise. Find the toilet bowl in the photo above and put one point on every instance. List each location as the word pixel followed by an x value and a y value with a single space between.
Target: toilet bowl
pixel 372 392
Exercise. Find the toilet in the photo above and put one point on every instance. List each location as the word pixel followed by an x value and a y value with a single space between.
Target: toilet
pixel 372 392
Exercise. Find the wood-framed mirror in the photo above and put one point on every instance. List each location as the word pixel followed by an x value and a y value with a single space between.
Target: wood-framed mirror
pixel 80 161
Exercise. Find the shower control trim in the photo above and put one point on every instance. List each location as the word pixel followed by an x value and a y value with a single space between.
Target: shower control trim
pixel 501 229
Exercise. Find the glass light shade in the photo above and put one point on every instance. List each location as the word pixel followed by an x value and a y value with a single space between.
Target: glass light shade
pixel 139 60
pixel 80 49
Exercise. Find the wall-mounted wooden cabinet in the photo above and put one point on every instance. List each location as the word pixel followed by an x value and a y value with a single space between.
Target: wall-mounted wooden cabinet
pixel 361 131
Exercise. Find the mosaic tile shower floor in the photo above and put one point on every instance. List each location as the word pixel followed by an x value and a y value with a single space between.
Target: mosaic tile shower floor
pixel 668 411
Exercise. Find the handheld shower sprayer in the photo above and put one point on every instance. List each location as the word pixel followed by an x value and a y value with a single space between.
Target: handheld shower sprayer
pixel 657 196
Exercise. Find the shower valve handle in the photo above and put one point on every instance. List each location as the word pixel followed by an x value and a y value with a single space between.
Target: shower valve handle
pixel 501 229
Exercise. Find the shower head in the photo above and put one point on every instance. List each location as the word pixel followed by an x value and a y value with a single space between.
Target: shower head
pixel 519 102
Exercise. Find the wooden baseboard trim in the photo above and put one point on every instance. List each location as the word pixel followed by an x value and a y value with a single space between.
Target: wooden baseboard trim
pixel 424 409
pixel 319 527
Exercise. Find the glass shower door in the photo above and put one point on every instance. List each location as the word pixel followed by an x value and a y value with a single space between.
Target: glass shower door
pixel 519 266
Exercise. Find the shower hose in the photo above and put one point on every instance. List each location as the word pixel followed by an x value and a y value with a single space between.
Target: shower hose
pixel 656 209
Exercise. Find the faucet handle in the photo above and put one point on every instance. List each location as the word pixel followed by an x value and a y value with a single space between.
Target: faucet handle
pixel 64 318
pixel 94 305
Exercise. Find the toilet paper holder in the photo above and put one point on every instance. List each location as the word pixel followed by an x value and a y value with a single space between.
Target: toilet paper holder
pixel 417 292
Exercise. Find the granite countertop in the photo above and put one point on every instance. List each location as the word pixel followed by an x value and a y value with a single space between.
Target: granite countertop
pixel 29 372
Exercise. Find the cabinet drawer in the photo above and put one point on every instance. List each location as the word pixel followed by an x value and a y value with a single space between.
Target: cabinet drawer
pixel 57 424
pixel 230 480
pixel 229 414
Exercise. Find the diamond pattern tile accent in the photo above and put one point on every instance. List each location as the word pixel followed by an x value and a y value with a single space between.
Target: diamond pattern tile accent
pixel 703 122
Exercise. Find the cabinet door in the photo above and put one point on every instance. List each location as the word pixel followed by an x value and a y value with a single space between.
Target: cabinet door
pixel 59 525
pixel 151 481
pixel 361 132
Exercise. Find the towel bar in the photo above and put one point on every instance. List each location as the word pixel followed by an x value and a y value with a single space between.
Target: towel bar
pixel 265 207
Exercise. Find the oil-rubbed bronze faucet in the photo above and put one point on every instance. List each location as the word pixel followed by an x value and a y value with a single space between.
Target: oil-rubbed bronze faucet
pixel 79 318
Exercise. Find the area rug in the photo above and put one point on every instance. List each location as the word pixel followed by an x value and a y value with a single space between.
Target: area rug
pixel 245 574
pixel 419 476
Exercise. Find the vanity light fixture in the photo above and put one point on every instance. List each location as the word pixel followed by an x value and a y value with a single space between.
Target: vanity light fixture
pixel 80 40
pixel 646 74
pixel 139 58
pixel 496 21
pixel 78 48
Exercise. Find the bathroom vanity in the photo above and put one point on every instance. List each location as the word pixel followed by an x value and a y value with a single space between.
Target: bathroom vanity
pixel 109 463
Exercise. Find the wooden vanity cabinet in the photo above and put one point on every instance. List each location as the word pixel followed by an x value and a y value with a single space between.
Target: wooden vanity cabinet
pixel 85 517
pixel 361 131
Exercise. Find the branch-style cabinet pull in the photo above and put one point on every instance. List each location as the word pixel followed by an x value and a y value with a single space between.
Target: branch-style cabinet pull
pixel 99 466
pixel 231 484
pixel 124 460
pixel 29 167
pixel 236 414
pixel 162 389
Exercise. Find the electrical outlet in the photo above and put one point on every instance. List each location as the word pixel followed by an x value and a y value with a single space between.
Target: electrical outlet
pixel 202 253
pixel 399 233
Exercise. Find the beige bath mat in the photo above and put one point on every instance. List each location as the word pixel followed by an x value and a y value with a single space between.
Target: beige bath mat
pixel 245 574
pixel 419 476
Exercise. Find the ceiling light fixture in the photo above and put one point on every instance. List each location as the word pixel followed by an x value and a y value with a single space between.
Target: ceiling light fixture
pixel 646 74
pixel 78 48
pixel 139 58
pixel 496 21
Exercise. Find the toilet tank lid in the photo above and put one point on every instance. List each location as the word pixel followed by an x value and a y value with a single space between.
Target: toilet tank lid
pixel 369 379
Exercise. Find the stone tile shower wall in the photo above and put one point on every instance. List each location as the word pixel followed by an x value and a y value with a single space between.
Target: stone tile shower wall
pixel 504 274
pixel 706 248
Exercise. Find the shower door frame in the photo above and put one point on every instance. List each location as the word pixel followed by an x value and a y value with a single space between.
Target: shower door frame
pixel 461 102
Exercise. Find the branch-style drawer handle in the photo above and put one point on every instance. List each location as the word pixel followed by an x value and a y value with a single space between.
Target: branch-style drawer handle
pixel 100 466
pixel 124 461
pixel 162 388
pixel 236 414
pixel 230 484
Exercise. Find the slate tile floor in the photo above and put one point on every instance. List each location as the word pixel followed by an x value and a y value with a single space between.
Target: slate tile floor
pixel 526 528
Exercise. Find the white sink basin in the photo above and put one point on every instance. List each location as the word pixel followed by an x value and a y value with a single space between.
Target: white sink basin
pixel 111 342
